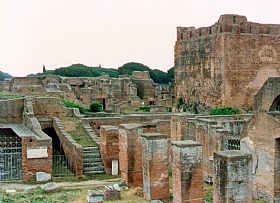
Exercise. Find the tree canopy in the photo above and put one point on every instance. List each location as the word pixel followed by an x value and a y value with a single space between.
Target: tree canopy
pixel 80 70
pixel 4 75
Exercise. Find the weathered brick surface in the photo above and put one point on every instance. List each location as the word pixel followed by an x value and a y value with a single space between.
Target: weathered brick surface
pixel 232 180
pixel 155 166
pixel 226 63
pixel 11 111
pixel 187 173
pixel 130 155
pixel 72 150
pixel 261 138
pixel 31 166
pixel 109 146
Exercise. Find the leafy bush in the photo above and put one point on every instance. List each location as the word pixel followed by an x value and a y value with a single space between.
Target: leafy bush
pixel 224 110
pixel 144 109
pixel 180 102
pixel 96 107
pixel 72 104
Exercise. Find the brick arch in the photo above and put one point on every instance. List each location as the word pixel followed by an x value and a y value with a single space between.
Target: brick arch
pixel 275 104
pixel 269 95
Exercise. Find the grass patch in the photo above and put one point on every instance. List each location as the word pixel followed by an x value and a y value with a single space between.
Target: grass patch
pixel 100 177
pixel 77 132
pixel 224 110
pixel 39 196
pixel 5 96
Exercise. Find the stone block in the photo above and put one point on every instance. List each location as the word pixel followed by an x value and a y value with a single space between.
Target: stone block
pixel 131 154
pixel 155 166
pixel 187 172
pixel 42 176
pixel 51 187
pixel 233 180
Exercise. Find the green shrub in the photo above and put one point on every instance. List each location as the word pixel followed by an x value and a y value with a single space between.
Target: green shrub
pixel 96 107
pixel 224 110
pixel 180 102
pixel 72 104
pixel 144 109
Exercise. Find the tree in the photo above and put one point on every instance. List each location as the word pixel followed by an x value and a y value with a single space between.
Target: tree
pixel 4 75
pixel 128 68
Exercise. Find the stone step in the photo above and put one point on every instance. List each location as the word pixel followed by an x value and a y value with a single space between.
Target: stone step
pixel 95 168
pixel 91 150
pixel 89 160
pixel 93 172
pixel 92 155
pixel 92 164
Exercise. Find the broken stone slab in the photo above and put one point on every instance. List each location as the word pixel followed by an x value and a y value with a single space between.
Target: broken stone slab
pixel 156 201
pixel 10 191
pixel 94 196
pixel 42 176
pixel 51 187
pixel 111 194
pixel 28 189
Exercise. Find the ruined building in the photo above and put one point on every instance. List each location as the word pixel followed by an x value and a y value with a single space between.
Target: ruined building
pixel 115 94
pixel 226 63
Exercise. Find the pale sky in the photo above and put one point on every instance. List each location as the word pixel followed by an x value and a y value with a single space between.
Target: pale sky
pixel 107 32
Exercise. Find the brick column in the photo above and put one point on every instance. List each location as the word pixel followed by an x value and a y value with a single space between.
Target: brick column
pixel 155 166
pixel 109 146
pixel 187 173
pixel 232 180
pixel 131 154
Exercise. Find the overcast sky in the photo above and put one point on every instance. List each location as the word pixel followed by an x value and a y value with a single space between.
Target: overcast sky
pixel 107 32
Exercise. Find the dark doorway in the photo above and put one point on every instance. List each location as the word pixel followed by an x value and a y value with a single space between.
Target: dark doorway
pixel 56 144
pixel 276 104
pixel 61 166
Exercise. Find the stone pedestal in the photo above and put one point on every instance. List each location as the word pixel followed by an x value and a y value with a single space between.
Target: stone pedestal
pixel 155 166
pixel 109 146
pixel 187 173
pixel 233 180
pixel 130 155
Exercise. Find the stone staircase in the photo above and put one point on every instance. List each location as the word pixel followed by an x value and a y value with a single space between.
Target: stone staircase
pixel 92 161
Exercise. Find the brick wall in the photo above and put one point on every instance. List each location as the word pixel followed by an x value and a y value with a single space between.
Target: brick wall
pixel 109 146
pixel 131 154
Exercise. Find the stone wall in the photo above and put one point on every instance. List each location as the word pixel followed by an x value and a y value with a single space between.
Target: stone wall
pixel 72 150
pixel 11 110
pixel 261 138
pixel 227 63
pixel 48 107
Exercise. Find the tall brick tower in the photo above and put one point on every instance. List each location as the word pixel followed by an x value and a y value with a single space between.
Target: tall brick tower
pixel 226 63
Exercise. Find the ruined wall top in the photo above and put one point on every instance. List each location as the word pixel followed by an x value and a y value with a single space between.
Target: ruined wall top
pixel 228 23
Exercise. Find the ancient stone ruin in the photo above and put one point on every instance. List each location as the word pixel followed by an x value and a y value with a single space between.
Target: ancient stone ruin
pixel 233 62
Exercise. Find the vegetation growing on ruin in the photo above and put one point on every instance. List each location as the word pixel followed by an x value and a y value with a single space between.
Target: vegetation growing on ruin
pixel 5 96
pixel 143 109
pixel 224 110
pixel 71 104
pixel 77 132
pixel 96 107
pixel 80 70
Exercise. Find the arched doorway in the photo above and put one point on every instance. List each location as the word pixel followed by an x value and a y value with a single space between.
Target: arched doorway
pixel 10 155
pixel 276 104
pixel 61 166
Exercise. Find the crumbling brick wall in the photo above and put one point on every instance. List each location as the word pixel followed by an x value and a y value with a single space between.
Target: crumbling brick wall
pixel 226 63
